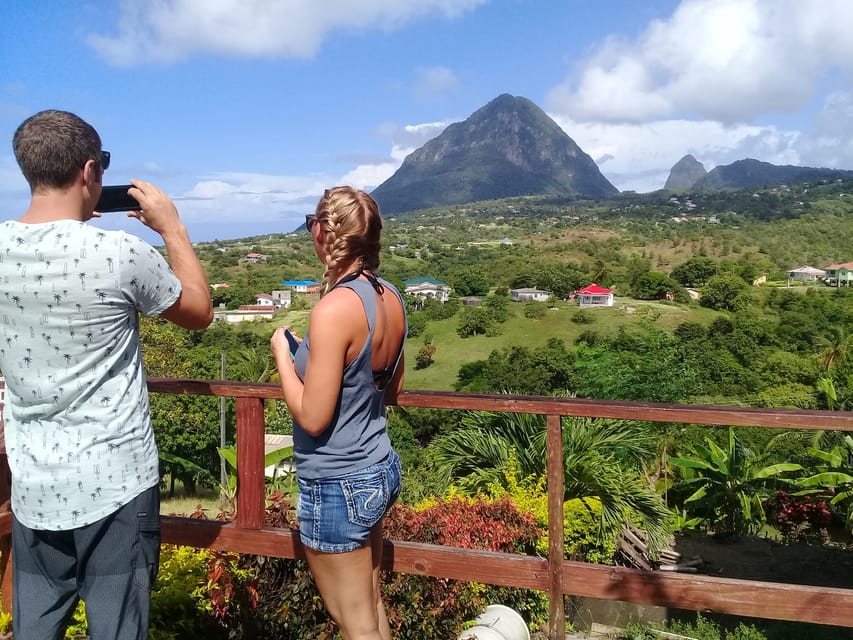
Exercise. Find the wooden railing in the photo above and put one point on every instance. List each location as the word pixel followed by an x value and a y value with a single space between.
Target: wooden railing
pixel 555 575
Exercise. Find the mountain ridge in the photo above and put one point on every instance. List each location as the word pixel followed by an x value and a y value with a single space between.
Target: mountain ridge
pixel 509 147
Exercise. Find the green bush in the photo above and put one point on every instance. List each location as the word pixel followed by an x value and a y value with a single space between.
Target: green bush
pixel 276 598
pixel 583 316
pixel 581 516
pixel 702 629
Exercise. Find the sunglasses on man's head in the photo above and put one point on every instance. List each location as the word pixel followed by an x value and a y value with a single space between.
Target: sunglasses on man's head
pixel 105 160
pixel 310 219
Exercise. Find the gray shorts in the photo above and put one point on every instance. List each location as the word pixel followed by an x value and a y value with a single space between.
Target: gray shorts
pixel 111 564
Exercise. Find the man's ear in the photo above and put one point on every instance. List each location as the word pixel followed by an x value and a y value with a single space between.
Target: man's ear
pixel 92 173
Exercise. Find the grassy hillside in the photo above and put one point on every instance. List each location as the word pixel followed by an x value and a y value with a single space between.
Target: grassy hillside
pixel 453 351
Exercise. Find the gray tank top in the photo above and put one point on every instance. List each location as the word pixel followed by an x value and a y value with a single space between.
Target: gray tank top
pixel 356 437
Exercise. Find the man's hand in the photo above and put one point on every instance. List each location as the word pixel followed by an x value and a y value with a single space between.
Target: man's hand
pixel 158 212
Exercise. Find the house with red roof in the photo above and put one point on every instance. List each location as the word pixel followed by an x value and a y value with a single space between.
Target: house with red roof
pixel 594 296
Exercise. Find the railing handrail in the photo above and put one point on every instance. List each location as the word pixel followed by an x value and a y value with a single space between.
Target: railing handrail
pixel 557 576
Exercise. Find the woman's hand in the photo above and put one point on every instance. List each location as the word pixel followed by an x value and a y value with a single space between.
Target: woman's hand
pixel 281 347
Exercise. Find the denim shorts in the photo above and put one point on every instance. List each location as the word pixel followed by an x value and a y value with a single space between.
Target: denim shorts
pixel 336 514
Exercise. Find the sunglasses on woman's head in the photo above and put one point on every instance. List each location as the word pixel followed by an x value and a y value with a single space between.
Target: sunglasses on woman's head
pixel 310 219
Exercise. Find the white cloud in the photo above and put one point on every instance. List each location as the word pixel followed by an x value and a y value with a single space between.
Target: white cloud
pixel 249 198
pixel 369 176
pixel 404 139
pixel 431 83
pixel 726 60
pixel 171 30
pixel 638 157
pixel 828 142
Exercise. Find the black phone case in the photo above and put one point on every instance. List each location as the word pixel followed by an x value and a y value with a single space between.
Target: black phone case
pixel 294 345
pixel 115 198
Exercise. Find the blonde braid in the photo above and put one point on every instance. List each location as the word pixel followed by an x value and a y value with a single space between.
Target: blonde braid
pixel 335 252
pixel 351 223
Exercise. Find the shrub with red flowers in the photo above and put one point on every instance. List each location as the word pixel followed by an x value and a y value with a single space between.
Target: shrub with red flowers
pixel 424 607
pixel 261 597
pixel 800 517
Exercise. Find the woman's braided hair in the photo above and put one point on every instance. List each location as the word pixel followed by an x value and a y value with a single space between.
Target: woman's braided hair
pixel 352 225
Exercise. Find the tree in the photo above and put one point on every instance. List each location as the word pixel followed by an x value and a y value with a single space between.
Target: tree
pixel 726 486
pixel 424 357
pixel 602 459
pixel 836 474
pixel 654 285
pixel 695 272
pixel 725 293
pixel 471 283
pixel 474 321
pixel 542 371
pixel 644 366
pixel 186 426
pixel 836 346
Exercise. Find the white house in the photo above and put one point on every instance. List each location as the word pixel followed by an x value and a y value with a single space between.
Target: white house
pixel 245 312
pixel 529 295
pixel 427 288
pixel 274 442
pixel 805 274
pixel 281 298
pixel 264 300
pixel 595 296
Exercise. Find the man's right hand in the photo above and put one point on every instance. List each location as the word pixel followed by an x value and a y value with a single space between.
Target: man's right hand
pixel 158 212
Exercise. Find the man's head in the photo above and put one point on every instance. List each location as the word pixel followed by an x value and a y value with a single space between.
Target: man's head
pixel 51 147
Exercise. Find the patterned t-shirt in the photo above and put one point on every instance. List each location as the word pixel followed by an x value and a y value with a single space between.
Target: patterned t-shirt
pixel 78 426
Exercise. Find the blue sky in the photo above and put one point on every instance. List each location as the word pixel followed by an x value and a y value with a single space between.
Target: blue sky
pixel 245 110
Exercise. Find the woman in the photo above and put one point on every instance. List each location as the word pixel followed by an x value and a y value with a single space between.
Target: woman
pixel 336 387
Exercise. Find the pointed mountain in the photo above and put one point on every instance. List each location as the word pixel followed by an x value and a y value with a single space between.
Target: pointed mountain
pixel 749 173
pixel 509 147
pixel 685 173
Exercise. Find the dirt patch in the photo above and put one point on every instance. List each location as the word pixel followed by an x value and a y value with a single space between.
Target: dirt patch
pixel 750 558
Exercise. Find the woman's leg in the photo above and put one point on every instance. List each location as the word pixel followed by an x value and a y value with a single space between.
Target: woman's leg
pixel 376 544
pixel 349 584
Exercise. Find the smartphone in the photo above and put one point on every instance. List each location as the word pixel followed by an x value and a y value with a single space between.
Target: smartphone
pixel 294 344
pixel 115 198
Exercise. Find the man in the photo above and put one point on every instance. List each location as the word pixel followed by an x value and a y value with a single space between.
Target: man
pixel 81 446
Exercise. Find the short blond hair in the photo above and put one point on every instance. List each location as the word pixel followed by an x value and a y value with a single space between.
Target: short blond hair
pixel 352 225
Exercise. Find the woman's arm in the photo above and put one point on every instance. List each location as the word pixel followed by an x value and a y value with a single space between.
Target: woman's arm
pixel 312 402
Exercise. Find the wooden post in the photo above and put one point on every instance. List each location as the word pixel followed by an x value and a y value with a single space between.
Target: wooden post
pixel 250 463
pixel 556 549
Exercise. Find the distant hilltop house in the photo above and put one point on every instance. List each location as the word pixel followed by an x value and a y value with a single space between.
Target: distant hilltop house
pixel 264 300
pixel 281 299
pixel 529 295
pixel 839 275
pixel 245 312
pixel 302 286
pixel 423 287
pixel 806 274
pixel 220 285
pixel 594 296
pixel 256 257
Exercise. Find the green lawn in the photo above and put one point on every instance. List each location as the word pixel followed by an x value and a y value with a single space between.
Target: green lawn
pixel 451 351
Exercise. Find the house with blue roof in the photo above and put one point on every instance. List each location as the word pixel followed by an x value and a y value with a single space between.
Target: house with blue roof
pixel 302 286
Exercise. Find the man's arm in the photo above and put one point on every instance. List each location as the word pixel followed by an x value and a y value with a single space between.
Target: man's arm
pixel 193 309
